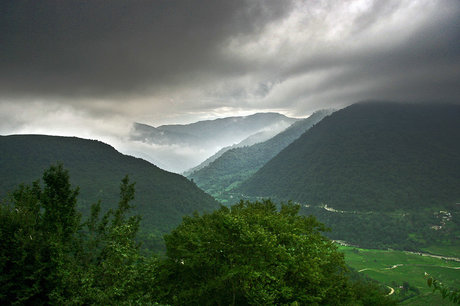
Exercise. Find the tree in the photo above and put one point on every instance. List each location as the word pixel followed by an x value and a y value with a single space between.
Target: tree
pixel 37 236
pixel 113 271
pixel 48 256
pixel 252 253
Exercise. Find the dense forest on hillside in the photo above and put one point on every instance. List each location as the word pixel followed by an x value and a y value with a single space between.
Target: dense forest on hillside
pixel 370 156
pixel 249 141
pixel 162 197
pixel 411 230
pixel 402 230
pixel 379 174
pixel 249 254
pixel 238 164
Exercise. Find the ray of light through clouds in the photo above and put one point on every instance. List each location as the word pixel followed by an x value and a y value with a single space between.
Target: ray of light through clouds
pixel 92 68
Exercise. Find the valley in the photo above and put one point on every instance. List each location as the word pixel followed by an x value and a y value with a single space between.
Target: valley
pixel 379 174
pixel 216 152
pixel 382 177
pixel 404 272
pixel 391 174
pixel 226 172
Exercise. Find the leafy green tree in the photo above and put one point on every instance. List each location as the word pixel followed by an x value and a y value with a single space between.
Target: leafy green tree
pixel 252 253
pixel 37 236
pixel 48 256
pixel 114 271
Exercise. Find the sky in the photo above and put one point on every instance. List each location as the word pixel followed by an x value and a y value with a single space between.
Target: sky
pixel 92 68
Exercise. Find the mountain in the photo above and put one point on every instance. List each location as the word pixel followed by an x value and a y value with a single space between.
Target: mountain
pixel 251 140
pixel 379 156
pixel 218 132
pixel 379 174
pixel 181 147
pixel 162 198
pixel 238 164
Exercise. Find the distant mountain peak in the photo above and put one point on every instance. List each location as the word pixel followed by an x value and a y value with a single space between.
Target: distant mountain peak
pixel 203 138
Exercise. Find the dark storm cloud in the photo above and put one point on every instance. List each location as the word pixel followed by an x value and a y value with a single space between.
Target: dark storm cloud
pixel 386 53
pixel 208 54
pixel 91 68
pixel 94 48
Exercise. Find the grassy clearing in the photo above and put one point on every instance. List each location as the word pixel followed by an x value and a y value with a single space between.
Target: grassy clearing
pixel 394 268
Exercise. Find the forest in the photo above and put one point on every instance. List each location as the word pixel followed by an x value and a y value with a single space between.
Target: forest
pixel 162 197
pixel 249 254
pixel 370 157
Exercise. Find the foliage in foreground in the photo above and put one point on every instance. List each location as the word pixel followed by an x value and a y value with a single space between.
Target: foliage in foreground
pixel 447 293
pixel 248 254
pixel 254 254
pixel 49 256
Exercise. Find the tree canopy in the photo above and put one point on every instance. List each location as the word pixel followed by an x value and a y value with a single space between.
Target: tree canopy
pixel 252 253
pixel 48 256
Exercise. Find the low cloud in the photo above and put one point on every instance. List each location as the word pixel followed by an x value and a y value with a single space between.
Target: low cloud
pixel 174 158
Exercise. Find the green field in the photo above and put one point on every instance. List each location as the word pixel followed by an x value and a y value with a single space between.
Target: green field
pixel 446 250
pixel 404 272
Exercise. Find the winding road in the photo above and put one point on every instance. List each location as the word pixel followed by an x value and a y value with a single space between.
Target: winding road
pixel 391 290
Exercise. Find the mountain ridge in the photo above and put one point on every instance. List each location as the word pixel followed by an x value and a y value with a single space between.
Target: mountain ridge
pixel 391 140
pixel 379 174
pixel 200 131
pixel 237 164
pixel 162 198
pixel 249 141
pixel 182 147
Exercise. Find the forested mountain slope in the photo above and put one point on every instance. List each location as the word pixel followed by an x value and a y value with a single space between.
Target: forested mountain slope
pixel 370 156
pixel 161 198
pixel 251 140
pixel 238 164
pixel 381 175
